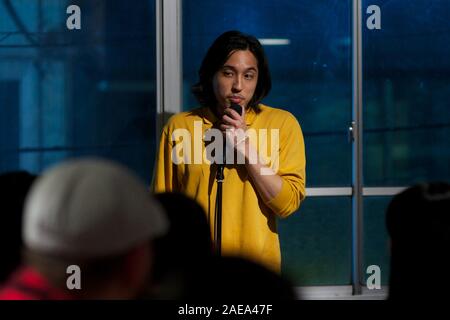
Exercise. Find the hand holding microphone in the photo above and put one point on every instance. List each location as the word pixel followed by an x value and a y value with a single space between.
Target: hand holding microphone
pixel 233 118
pixel 233 124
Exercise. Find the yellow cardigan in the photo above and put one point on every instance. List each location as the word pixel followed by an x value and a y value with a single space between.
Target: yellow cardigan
pixel 249 226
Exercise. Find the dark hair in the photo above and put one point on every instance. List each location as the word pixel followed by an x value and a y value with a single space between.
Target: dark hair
pixel 189 236
pixel 14 188
pixel 418 224
pixel 420 207
pixel 217 55
pixel 227 278
pixel 186 248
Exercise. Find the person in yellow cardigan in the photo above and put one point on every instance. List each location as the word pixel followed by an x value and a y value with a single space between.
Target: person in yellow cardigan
pixel 264 172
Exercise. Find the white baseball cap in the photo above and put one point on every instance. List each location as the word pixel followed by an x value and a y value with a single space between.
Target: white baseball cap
pixel 90 208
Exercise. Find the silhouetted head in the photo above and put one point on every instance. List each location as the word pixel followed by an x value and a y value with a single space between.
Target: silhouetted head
pixel 186 247
pixel 418 223
pixel 189 235
pixel 14 187
pixel 98 215
pixel 235 278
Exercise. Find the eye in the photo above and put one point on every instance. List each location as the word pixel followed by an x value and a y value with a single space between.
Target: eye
pixel 249 76
pixel 227 73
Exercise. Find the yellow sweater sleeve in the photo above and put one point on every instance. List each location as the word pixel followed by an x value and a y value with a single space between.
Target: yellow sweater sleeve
pixel 291 169
pixel 165 179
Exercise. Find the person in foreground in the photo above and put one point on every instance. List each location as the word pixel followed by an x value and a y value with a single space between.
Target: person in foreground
pixel 418 224
pixel 88 228
pixel 14 186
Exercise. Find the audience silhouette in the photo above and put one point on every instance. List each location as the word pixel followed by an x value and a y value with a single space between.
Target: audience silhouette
pixel 418 223
pixel 14 187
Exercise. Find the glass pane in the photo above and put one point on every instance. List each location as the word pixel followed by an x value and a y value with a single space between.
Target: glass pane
pixel 66 93
pixel 316 242
pixel 376 239
pixel 311 74
pixel 406 89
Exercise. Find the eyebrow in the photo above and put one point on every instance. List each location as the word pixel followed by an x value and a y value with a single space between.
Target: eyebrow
pixel 233 68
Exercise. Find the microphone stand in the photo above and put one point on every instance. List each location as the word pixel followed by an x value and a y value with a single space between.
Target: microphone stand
pixel 218 210
pixel 219 178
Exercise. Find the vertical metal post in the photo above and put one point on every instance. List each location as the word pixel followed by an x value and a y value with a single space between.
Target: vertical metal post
pixel 357 172
pixel 168 60
pixel 159 67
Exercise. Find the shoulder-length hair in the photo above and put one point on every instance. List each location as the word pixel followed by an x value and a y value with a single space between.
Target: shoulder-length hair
pixel 219 52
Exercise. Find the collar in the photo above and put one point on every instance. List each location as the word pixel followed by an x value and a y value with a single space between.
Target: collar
pixel 210 118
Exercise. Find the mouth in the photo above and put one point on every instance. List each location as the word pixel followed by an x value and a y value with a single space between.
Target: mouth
pixel 236 100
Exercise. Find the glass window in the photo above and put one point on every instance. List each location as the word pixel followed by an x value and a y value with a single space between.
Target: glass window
pixel 406 88
pixel 67 93
pixel 405 109
pixel 376 239
pixel 316 242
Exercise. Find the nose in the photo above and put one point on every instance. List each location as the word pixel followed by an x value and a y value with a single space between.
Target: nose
pixel 237 84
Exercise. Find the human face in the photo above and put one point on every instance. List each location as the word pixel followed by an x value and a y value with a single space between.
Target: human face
pixel 236 81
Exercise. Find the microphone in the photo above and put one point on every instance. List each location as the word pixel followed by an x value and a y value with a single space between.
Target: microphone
pixel 238 109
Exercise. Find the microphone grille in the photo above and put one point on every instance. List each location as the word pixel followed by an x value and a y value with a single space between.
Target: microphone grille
pixel 236 108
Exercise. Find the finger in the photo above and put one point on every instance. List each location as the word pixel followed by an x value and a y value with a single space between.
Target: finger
pixel 230 121
pixel 225 127
pixel 233 114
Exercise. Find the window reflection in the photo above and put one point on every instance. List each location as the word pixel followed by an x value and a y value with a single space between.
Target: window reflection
pixel 77 92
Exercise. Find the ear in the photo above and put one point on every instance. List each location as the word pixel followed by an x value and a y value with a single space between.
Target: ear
pixel 137 268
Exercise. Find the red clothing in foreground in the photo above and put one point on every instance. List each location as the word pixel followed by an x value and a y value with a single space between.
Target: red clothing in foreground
pixel 27 284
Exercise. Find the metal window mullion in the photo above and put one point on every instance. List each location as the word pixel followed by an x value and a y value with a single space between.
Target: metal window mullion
pixel 357 174
pixel 168 60
pixel 348 191
pixel 329 192
pixel 382 191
